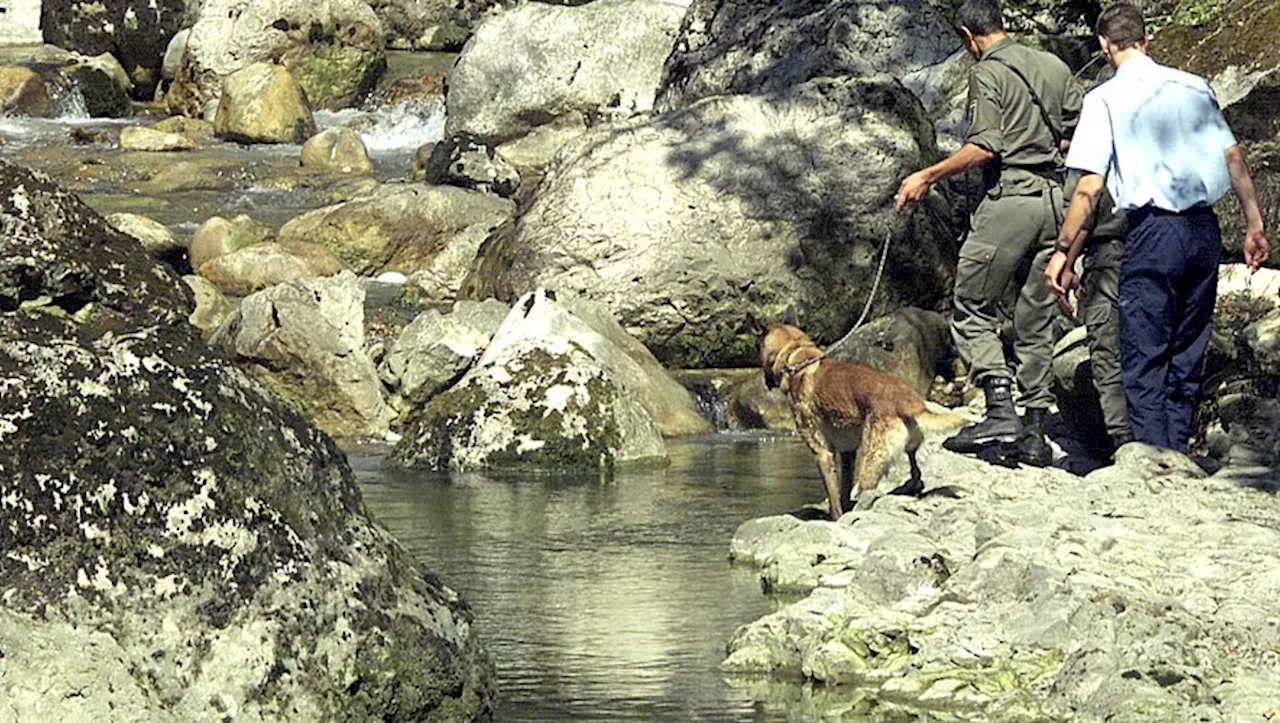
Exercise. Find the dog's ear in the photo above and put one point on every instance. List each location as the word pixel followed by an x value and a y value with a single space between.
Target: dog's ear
pixel 789 316
pixel 754 326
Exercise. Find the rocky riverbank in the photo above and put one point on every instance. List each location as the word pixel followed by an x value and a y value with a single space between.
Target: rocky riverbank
pixel 1145 591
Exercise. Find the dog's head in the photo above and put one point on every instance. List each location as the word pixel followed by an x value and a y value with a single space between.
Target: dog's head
pixel 780 345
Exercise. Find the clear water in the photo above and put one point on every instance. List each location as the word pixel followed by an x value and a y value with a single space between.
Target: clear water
pixel 605 600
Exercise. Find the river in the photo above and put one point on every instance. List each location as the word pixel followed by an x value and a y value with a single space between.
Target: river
pixel 604 600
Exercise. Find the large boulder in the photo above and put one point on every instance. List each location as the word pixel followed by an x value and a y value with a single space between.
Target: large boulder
pixel 534 63
pixel 333 47
pixel 179 544
pixel 535 400
pixel 910 344
pixel 135 32
pixel 305 340
pixel 411 228
pixel 750 46
pixel 263 103
pixel 684 223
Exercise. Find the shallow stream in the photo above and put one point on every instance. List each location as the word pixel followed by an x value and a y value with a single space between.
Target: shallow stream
pixel 605 600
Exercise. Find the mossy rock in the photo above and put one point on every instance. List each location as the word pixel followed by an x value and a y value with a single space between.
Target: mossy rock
pixel 539 410
pixel 336 76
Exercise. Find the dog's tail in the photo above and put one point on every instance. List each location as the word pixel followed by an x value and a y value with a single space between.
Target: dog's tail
pixel 940 419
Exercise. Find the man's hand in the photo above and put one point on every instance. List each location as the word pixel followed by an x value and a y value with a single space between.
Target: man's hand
pixel 1256 249
pixel 913 188
pixel 1061 280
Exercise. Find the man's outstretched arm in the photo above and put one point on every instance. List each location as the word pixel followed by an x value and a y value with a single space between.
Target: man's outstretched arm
pixel 1256 249
pixel 915 186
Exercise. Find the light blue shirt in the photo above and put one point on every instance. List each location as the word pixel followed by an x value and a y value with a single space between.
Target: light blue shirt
pixel 1157 135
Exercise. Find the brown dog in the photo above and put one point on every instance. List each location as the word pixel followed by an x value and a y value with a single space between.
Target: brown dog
pixel 842 410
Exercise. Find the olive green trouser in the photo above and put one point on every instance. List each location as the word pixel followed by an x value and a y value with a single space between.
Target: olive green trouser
pixel 1099 300
pixel 1002 265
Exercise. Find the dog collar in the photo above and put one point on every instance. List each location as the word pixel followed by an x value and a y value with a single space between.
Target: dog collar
pixel 790 369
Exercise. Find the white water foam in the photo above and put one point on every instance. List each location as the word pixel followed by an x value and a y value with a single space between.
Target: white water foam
pixel 396 130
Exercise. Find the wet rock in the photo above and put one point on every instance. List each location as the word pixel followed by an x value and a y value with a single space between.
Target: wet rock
pixel 533 63
pixel 23 92
pixel 212 306
pixel 332 47
pixel 306 339
pixel 104 95
pixel 534 400
pixel 467 162
pixel 435 349
pixel 406 228
pixel 198 130
pixel 172 529
pixel 685 222
pixel 218 236
pixel 263 103
pixel 138 138
pixel 261 266
pixel 336 150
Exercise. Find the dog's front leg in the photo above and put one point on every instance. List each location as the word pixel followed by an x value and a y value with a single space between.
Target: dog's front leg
pixel 831 478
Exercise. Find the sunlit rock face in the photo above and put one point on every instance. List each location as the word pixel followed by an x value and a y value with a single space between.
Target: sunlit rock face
pixel 206 538
pixel 683 223
pixel 535 400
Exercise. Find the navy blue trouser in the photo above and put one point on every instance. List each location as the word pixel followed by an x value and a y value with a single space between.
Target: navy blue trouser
pixel 1168 284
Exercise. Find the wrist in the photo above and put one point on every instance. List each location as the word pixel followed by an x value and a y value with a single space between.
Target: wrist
pixel 1062 247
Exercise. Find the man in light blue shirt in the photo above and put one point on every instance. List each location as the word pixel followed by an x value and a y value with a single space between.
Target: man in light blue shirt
pixel 1158 138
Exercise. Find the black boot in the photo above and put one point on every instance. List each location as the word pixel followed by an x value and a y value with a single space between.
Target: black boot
pixel 1001 425
pixel 1033 449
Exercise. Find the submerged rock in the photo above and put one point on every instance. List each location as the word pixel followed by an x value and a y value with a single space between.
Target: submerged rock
pixel 193 547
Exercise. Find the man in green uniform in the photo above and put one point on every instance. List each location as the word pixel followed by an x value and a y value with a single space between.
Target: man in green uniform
pixel 1023 106
pixel 1103 247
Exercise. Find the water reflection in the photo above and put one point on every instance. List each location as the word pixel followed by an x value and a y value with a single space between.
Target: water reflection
pixel 605 601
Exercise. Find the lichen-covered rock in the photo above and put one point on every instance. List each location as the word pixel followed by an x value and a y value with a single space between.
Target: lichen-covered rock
pixel 134 31
pixel 182 520
pixel 683 223
pixel 537 402
pixel 305 340
pixel 536 62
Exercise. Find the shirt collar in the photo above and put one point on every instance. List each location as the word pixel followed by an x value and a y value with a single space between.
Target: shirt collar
pixel 1006 40
pixel 1136 65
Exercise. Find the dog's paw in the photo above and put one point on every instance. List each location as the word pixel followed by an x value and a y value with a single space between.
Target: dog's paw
pixel 910 488
pixel 866 499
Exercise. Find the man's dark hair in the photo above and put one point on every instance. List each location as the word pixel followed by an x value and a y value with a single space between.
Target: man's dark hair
pixel 1122 25
pixel 981 17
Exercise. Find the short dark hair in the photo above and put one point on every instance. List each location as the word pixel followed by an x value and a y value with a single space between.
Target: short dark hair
pixel 980 17
pixel 1122 25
